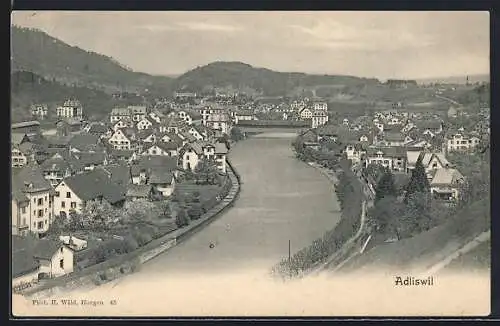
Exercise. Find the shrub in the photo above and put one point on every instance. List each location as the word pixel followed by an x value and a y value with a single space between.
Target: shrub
pixel 182 219
pixel 195 212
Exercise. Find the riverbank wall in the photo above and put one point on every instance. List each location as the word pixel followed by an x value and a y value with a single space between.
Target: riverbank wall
pixel 128 263
pixel 350 192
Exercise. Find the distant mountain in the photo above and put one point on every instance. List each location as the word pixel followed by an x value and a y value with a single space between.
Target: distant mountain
pixel 238 75
pixel 35 51
pixel 456 79
pixel 28 88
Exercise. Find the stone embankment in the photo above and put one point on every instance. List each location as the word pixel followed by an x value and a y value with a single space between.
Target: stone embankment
pixel 124 264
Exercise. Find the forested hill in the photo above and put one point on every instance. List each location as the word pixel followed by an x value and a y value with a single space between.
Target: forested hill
pixel 36 51
pixel 238 75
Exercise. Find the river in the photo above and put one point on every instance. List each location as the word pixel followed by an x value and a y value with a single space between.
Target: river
pixel 281 200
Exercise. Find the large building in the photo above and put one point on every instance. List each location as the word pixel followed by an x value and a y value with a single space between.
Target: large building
pixel 70 109
pixel 31 202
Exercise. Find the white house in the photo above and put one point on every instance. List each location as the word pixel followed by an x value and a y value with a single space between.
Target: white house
pixel 220 156
pixel 70 109
pixel 55 258
pixel 31 202
pixel 162 149
pixel 17 157
pixel 39 110
pixel 319 118
pixel 446 184
pixel 190 155
pixel 120 124
pixel 119 141
pixel 138 112
pixel 461 142
pixel 320 106
pixel 75 191
pixel 305 114
pixel 218 121
pixel 144 123
pixel 118 114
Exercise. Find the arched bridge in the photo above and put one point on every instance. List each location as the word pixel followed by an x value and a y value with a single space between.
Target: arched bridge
pixel 272 126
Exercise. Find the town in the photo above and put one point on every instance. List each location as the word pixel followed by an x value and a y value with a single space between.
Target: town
pixel 85 191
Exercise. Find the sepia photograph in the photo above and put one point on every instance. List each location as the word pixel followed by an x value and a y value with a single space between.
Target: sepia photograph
pixel 250 163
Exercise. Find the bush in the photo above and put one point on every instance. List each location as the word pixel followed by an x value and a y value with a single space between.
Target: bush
pixel 182 219
pixel 195 212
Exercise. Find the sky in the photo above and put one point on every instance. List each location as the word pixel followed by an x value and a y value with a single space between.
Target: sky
pixel 367 44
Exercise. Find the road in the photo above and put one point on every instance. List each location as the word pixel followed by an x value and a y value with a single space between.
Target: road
pixel 281 199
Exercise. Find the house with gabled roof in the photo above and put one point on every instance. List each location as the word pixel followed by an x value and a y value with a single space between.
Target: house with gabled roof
pixel 31 201
pixel 147 123
pixel 33 260
pixel 119 140
pixel 445 184
pixel 118 114
pixel 161 149
pixel 190 155
pixel 18 159
pixel 74 192
pixel 393 158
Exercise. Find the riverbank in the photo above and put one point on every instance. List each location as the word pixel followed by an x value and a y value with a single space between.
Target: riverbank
pixel 350 193
pixel 125 264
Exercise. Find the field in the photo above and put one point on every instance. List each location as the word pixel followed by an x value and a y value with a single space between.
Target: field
pixel 429 246
pixel 478 258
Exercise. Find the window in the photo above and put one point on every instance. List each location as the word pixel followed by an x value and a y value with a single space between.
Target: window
pixel 40 201
pixel 187 157
pixel 45 197
pixel 61 250
pixel 63 204
pixel 73 204
pixel 40 212
pixel 68 194
pixel 45 222
pixel 34 200
pixel 34 212
pixel 23 210
pixel 61 262
pixel 40 225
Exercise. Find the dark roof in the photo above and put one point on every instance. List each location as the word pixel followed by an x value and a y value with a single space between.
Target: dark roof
pixel 393 151
pixel 167 146
pixel 394 136
pixel 221 148
pixel 55 140
pixel 45 248
pixel 160 176
pixel 118 173
pixel 98 129
pixel 139 190
pixel 24 124
pixel 17 137
pixel 169 163
pixel 84 141
pixel 29 179
pixel 95 184
pixel 428 124
pixel 121 153
pixel 23 261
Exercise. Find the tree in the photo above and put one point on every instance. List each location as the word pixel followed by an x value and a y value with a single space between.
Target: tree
pixel 417 217
pixel 206 170
pixel 236 134
pixel 97 214
pixel 181 219
pixel 386 216
pixel 140 210
pixel 195 212
pixel 418 181
pixel 385 186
